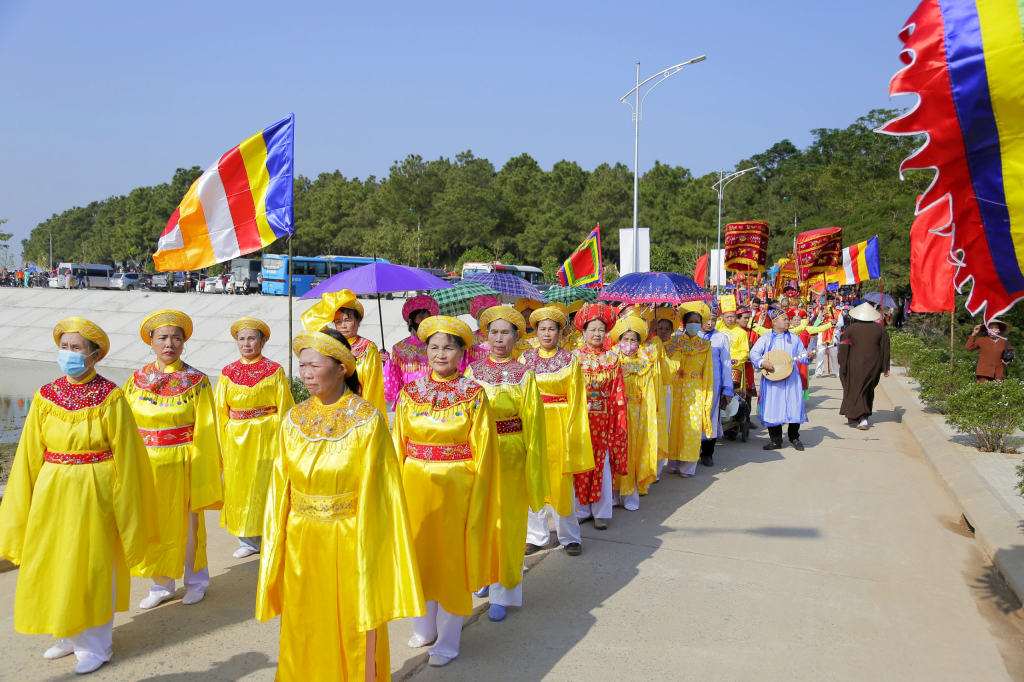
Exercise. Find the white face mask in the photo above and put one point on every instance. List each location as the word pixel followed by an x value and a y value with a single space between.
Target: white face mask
pixel 693 328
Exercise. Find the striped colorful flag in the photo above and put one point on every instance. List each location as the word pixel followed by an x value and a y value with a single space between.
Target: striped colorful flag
pixel 860 263
pixel 240 204
pixel 584 268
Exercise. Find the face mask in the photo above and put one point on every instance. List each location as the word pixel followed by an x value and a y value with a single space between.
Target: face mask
pixel 629 347
pixel 693 328
pixel 72 364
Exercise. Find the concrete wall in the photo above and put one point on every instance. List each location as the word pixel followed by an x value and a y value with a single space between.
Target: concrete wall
pixel 27 318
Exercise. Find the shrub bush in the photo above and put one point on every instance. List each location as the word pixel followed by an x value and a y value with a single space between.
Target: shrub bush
pixel 902 347
pixel 925 359
pixel 990 413
pixel 299 392
pixel 939 382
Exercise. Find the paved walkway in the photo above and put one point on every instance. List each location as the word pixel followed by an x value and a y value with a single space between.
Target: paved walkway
pixel 843 562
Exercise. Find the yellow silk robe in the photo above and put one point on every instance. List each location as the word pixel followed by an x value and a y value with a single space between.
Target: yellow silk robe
pixel 251 397
pixel 642 375
pixel 572 338
pixel 452 494
pixel 523 474
pixel 75 528
pixel 696 386
pixel 672 397
pixel 337 557
pixel 739 351
pixel 187 475
pixel 566 424
pixel 524 344
pixel 370 371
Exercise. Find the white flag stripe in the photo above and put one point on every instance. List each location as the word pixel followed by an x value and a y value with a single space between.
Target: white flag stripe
pixel 171 240
pixel 848 267
pixel 221 228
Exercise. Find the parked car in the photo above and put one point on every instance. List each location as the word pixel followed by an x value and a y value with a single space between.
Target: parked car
pixel 160 281
pixel 125 281
pixel 212 285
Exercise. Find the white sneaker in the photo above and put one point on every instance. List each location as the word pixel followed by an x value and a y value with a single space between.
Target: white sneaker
pixel 57 651
pixel 243 552
pixel 192 597
pixel 87 665
pixel 438 661
pixel 419 641
pixel 154 599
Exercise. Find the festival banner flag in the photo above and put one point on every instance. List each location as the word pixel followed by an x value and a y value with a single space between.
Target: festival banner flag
pixel 860 263
pixel 584 268
pixel 818 251
pixel 746 246
pixel 700 273
pixel 931 272
pixel 240 204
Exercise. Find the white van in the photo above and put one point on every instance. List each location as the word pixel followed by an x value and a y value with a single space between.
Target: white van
pixel 92 275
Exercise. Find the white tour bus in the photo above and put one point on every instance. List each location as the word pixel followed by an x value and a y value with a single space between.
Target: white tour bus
pixel 70 274
pixel 534 276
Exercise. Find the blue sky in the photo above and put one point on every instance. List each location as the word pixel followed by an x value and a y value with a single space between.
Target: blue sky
pixel 98 98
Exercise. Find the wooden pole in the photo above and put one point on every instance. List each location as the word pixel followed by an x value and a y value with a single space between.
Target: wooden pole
pixel 952 336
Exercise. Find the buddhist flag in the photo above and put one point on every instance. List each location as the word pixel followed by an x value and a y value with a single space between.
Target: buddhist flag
pixel 860 263
pixel 242 203
pixel 584 267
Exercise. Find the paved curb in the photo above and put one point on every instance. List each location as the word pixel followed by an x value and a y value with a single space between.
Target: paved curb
pixel 996 526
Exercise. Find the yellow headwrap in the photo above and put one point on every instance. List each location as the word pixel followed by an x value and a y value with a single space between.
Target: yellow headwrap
pixel 669 314
pixel 629 323
pixel 164 318
pixel 447 325
pixel 323 311
pixel 325 345
pixel 250 323
pixel 728 303
pixel 696 307
pixel 574 307
pixel 549 312
pixel 503 312
pixel 87 329
pixel 641 311
pixel 524 303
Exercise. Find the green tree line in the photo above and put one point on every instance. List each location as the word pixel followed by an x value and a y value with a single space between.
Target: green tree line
pixel 445 211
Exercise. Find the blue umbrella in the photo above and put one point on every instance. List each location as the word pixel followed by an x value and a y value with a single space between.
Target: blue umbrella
pixel 655 287
pixel 878 297
pixel 507 285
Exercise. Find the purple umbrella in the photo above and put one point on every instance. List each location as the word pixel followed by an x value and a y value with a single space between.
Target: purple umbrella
pixel 507 285
pixel 378 278
pixel 654 287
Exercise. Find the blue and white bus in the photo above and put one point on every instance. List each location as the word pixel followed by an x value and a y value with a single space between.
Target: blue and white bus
pixel 307 271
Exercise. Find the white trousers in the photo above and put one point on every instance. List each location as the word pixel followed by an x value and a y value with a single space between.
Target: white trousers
pixel 602 509
pixel 195 581
pixel 94 642
pixel 630 502
pixel 503 596
pixel 688 468
pixel 446 627
pixel 251 543
pixel 567 528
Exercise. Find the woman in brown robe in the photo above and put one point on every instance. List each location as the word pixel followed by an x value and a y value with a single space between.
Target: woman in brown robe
pixel 863 358
pixel 991 345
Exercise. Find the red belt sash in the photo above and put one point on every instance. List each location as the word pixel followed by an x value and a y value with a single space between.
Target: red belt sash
pixel 253 413
pixel 427 452
pixel 77 457
pixel 554 398
pixel 165 438
pixel 506 426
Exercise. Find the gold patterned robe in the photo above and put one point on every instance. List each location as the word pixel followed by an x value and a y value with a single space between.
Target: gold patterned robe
pixel 337 557
pixel 567 426
pixel 79 509
pixel 642 375
pixel 523 473
pixel 175 414
pixel 672 397
pixel 447 441
pixel 370 371
pixel 696 390
pixel 251 397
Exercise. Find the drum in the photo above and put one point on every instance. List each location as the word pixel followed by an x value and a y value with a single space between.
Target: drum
pixel 781 361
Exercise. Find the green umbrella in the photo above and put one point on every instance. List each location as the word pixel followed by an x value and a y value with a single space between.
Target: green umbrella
pixel 569 295
pixel 455 301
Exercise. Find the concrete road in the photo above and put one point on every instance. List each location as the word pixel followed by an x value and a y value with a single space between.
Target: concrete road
pixel 843 562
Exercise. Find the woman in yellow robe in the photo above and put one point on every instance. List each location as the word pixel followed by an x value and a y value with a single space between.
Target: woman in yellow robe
pixel 641 371
pixel 251 397
pixel 523 473
pixel 342 311
pixel 666 324
pixel 173 407
pixel 446 437
pixel 695 387
pixel 338 561
pixel 567 428
pixel 79 507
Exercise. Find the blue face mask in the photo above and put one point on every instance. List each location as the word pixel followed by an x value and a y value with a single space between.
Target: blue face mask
pixel 693 328
pixel 71 363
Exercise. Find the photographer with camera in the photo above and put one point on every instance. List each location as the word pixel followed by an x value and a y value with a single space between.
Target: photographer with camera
pixel 996 351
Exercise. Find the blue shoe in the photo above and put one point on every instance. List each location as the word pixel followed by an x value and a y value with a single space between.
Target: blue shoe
pixel 482 592
pixel 496 613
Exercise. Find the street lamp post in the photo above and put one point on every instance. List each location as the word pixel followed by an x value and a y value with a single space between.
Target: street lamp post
pixel 719 187
pixel 638 112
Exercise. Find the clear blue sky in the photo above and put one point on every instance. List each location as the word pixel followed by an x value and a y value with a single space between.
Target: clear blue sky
pixel 101 97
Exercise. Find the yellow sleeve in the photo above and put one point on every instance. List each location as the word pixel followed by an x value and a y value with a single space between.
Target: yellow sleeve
pixel 660 410
pixel 820 328
pixel 134 486
pixel 284 398
pixel 398 433
pixel 538 485
pixel 17 501
pixel 579 454
pixel 482 522
pixel 707 391
pixel 372 379
pixel 386 571
pixel 761 331
pixel 205 475
pixel 220 403
pixel 275 520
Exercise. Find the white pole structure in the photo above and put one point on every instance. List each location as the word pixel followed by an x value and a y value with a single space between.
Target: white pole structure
pixel 637 115
pixel 719 187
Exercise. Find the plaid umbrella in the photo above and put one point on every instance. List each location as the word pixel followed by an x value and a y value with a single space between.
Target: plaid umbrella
pixel 569 295
pixel 455 301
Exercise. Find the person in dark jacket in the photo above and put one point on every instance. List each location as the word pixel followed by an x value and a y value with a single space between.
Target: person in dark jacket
pixel 863 359
pixel 992 343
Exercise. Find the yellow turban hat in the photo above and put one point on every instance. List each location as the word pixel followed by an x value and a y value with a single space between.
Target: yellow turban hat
pixel 165 318
pixel 524 303
pixel 325 345
pixel 503 312
pixel 87 329
pixel 696 307
pixel 323 311
pixel 550 312
pixel 669 314
pixel 250 323
pixel 446 325
pixel 575 306
pixel 629 323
